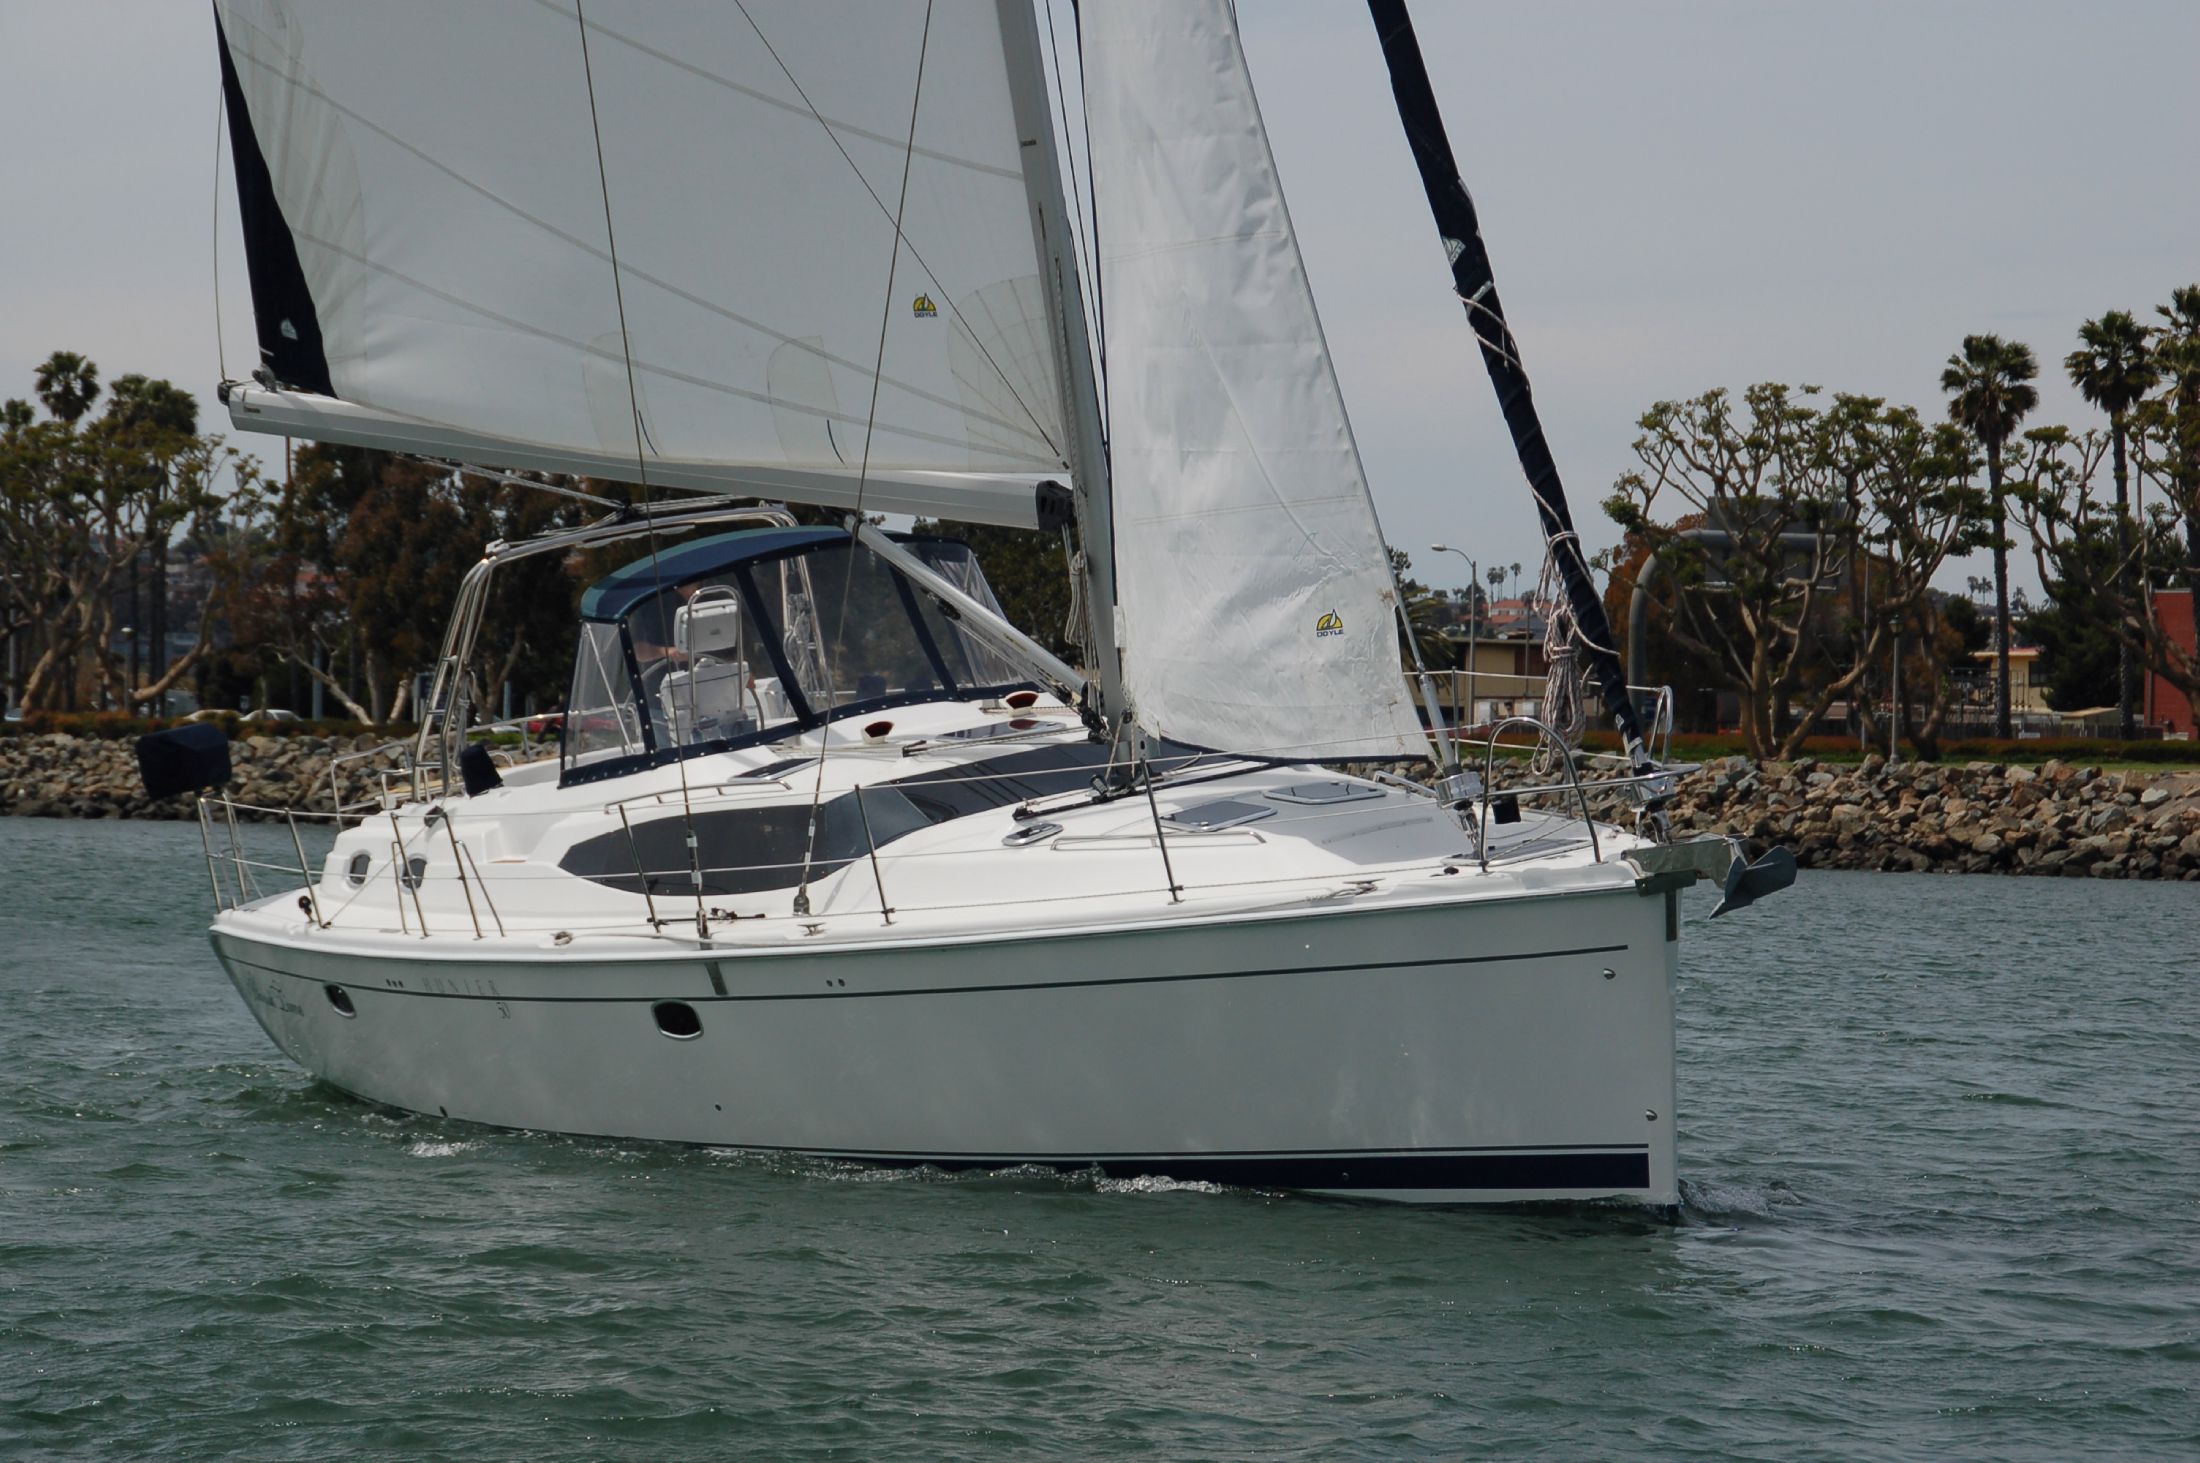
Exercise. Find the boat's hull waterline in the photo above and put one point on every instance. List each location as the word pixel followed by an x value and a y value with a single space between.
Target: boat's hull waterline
pixel 1483 1051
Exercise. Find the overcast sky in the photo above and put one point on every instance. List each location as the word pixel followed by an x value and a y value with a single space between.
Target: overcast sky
pixel 1675 196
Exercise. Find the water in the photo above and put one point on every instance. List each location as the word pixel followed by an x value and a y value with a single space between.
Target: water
pixel 1943 1199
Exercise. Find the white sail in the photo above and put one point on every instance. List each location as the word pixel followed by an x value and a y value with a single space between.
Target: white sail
pixel 1253 587
pixel 434 168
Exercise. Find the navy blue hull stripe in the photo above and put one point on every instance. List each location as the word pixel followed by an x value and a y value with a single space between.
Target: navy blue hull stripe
pixel 1556 1171
pixel 1559 1168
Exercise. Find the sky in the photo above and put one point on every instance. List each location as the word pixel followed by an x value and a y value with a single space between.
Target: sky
pixel 1675 196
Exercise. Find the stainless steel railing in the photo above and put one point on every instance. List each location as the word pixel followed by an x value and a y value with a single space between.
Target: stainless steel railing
pixel 416 847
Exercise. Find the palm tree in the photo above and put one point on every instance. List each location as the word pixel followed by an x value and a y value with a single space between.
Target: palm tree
pixel 2112 369
pixel 1989 389
pixel 68 384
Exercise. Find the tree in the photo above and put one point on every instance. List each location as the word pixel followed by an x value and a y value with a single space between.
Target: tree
pixel 2076 633
pixel 81 499
pixel 1424 606
pixel 1794 501
pixel 68 384
pixel 144 410
pixel 2174 421
pixel 1989 387
pixel 362 555
pixel 2112 369
pixel 1668 660
pixel 2080 552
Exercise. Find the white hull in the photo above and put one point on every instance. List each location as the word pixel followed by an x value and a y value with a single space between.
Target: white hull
pixel 1480 1051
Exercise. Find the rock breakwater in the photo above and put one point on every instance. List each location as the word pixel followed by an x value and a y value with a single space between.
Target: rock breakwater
pixel 1968 818
pixel 56 775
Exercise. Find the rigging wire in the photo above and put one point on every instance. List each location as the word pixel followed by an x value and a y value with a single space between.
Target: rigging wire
pixel 641 463
pixel 863 473
pixel 221 349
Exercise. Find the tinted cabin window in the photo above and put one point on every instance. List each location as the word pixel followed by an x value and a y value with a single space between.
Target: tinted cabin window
pixel 744 850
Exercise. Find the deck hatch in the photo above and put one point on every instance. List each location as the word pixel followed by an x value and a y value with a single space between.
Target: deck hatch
pixel 1219 814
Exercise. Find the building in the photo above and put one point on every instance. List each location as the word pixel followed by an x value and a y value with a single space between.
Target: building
pixel 1523 616
pixel 2166 707
pixel 2025 694
pixel 1489 677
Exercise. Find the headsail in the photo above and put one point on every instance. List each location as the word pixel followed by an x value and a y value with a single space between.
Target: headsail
pixel 428 238
pixel 1253 586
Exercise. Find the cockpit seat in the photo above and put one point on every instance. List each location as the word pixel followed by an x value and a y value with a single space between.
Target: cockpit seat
pixel 709 700
pixel 709 623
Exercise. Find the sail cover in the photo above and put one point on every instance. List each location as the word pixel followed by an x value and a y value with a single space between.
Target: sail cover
pixel 430 241
pixel 1256 602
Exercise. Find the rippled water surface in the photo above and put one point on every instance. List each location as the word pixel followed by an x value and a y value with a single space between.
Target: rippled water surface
pixel 1940 1140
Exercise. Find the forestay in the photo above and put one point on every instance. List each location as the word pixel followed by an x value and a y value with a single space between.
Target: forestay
pixel 1257 606
pixel 429 243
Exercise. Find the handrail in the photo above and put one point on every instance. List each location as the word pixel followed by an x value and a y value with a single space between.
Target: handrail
pixel 1489 773
pixel 326 903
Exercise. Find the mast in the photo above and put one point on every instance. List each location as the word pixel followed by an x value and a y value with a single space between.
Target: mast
pixel 1477 288
pixel 1080 387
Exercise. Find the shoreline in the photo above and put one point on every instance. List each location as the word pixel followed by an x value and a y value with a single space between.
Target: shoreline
pixel 2056 819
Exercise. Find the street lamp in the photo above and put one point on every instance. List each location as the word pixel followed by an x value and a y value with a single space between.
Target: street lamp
pixel 1474 587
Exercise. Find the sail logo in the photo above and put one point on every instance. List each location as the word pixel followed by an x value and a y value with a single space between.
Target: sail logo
pixel 925 308
pixel 1329 624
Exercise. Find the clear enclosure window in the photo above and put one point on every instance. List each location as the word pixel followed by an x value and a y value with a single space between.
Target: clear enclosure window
pixel 969 660
pixel 706 674
pixel 601 719
pixel 866 645
pixel 708 661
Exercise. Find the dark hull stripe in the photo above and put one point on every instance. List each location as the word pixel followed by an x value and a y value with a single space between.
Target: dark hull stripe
pixel 656 994
pixel 1556 1171
pixel 1516 1171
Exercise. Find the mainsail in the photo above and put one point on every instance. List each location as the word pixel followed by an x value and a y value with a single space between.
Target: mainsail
pixel 1255 595
pixel 431 241
pixel 821 251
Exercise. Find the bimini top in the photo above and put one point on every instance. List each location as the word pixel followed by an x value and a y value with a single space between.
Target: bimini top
pixel 619 591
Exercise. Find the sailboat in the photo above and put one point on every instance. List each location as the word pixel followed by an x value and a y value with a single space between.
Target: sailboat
pixel 831 858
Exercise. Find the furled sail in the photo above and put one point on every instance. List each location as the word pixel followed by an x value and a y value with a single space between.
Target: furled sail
pixel 431 241
pixel 1257 606
pixel 1476 285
